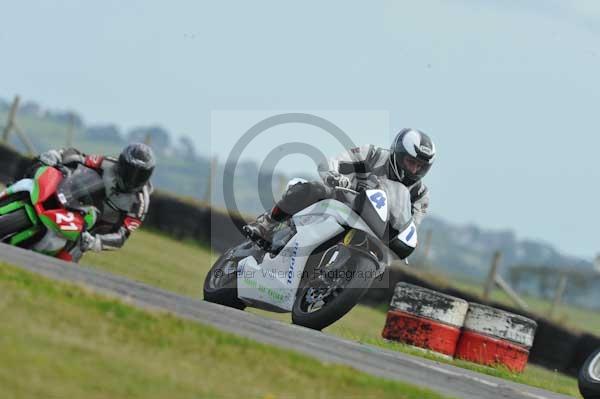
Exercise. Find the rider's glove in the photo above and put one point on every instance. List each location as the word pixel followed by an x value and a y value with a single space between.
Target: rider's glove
pixel 50 158
pixel 335 179
pixel 90 242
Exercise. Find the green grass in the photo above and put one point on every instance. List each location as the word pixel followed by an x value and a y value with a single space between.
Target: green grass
pixel 61 341
pixel 157 260
pixel 182 266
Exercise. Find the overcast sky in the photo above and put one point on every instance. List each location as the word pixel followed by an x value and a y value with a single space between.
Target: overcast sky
pixel 509 90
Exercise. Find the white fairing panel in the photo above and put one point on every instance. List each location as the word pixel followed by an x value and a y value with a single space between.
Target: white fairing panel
pixel 409 235
pixel 275 281
pixel 22 185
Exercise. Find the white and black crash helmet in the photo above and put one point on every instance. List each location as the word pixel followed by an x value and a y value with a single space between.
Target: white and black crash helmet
pixel 134 167
pixel 411 156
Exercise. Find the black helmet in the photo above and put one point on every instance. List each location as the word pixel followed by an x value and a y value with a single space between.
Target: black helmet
pixel 135 166
pixel 411 156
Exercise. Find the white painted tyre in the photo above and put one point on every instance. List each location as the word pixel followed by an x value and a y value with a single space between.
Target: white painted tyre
pixel 430 304
pixel 500 324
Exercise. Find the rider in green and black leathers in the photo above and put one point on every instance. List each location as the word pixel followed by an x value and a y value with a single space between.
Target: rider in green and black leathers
pixel 128 189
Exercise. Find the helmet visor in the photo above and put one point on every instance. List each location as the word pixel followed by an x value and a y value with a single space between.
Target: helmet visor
pixel 414 168
pixel 132 177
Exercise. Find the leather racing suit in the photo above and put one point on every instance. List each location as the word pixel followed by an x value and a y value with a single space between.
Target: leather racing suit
pixel 121 214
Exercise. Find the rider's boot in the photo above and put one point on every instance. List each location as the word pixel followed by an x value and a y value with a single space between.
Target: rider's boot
pixel 261 230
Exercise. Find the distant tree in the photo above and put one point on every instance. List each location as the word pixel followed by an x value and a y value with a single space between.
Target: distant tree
pixel 160 139
pixel 186 149
pixel 30 108
pixel 106 133
pixel 66 117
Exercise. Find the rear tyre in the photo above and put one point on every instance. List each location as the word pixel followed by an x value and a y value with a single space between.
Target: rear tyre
pixel 13 223
pixel 220 284
pixel 589 382
pixel 339 302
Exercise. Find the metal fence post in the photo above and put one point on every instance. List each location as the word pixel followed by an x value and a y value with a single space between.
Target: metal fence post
pixel 491 279
pixel 560 290
pixel 10 123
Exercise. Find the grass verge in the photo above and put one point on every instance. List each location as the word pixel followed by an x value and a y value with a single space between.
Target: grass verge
pixel 182 266
pixel 61 341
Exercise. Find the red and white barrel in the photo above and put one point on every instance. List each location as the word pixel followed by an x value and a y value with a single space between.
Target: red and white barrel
pixel 425 318
pixel 492 336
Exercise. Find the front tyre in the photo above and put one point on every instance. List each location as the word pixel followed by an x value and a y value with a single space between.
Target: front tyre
pixel 220 284
pixel 589 377
pixel 13 223
pixel 321 302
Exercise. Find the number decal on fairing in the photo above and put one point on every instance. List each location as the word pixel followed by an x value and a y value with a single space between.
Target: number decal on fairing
pixel 378 199
pixel 63 218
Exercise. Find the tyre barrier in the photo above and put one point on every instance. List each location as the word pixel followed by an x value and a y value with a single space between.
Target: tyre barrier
pixel 494 337
pixel 424 318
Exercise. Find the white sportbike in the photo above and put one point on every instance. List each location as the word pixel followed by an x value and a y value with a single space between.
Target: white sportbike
pixel 332 251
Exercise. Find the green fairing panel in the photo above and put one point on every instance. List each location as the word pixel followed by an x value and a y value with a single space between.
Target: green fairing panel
pixel 13 206
pixel 70 235
pixel 90 219
pixel 33 216
pixel 49 223
pixel 35 193
pixel 22 236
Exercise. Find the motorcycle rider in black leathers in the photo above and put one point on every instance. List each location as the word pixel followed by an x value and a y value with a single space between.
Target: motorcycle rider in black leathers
pixel 128 189
pixel 410 157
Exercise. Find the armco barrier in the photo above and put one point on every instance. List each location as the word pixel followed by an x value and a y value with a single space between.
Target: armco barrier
pixel 586 344
pixel 555 347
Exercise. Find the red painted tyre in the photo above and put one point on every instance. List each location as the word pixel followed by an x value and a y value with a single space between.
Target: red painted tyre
pixel 492 336
pixel 425 318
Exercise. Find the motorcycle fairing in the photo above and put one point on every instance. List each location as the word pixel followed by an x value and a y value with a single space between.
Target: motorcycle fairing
pixel 45 184
pixel 64 222
pixel 273 283
pixel 60 221
pixel 24 185
pixel 409 235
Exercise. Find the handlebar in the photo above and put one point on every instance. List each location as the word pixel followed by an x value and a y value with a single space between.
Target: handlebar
pixel 348 190
pixel 66 172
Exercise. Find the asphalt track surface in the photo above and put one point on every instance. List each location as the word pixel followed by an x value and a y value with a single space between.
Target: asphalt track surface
pixel 443 378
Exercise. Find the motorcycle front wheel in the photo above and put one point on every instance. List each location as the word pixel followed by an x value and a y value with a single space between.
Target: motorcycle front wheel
pixel 220 284
pixel 589 377
pixel 13 223
pixel 325 296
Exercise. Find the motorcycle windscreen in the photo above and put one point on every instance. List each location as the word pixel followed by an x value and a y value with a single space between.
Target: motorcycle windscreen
pixel 401 210
pixel 387 209
pixel 83 188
